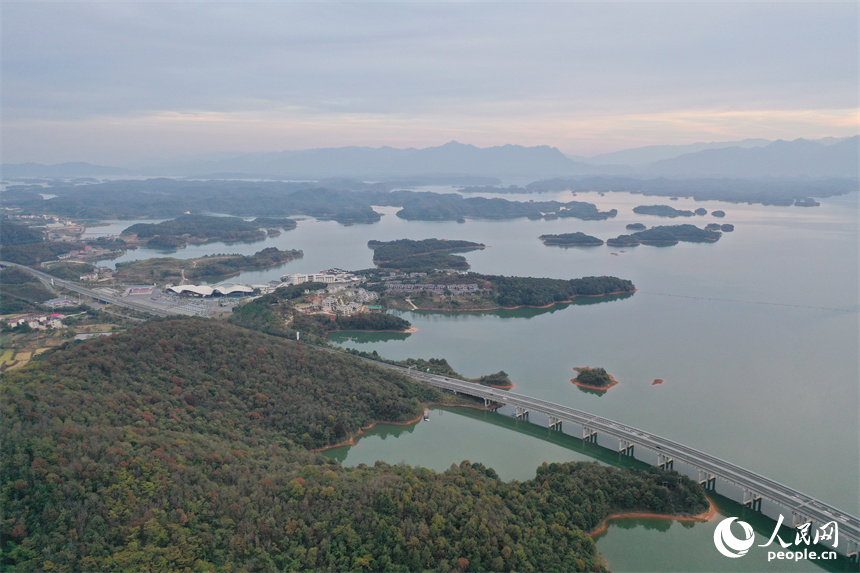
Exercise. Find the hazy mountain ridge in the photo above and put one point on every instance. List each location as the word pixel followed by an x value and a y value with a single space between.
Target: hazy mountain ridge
pixel 751 158
pixel 798 158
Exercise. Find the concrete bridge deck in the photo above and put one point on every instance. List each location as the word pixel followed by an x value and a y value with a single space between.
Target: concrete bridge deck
pixel 803 508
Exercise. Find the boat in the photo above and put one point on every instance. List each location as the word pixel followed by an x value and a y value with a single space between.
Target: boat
pixel 426 414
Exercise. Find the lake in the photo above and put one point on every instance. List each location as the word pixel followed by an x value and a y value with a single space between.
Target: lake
pixel 756 337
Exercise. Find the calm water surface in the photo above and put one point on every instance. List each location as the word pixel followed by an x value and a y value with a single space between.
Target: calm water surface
pixel 756 337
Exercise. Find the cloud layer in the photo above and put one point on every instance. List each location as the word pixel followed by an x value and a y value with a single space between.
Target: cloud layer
pixel 119 81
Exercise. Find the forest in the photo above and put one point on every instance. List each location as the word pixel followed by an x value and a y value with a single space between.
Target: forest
pixel 70 271
pixel 529 291
pixel 22 292
pixel 662 211
pixel 667 235
pixel 594 377
pixel 571 239
pixel 183 445
pixel 425 206
pixel 12 233
pixel 424 255
pixel 196 229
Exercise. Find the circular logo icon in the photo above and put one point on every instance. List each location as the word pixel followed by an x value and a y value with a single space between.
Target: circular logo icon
pixel 727 543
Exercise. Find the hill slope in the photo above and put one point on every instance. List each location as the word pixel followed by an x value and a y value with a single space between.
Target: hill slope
pixel 172 448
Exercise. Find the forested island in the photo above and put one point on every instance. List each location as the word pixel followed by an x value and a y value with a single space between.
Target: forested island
pixel 185 444
pixel 186 229
pixel 427 254
pixel 593 378
pixel 571 239
pixel 172 270
pixel 666 235
pixel 474 291
pixel 662 211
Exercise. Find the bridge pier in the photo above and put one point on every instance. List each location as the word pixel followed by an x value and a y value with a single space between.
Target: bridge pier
pixel 752 499
pixel 664 462
pixel 707 480
pixel 491 405
pixel 589 435
pixel 521 412
pixel 554 423
pixel 798 519
pixel 851 551
pixel 625 447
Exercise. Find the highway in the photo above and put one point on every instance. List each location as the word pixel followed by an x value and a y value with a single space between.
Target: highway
pixel 74 287
pixel 803 507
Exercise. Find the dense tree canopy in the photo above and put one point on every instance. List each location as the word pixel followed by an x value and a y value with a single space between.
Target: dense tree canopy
pixel 424 255
pixel 178 446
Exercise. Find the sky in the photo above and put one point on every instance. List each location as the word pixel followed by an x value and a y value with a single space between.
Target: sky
pixel 121 83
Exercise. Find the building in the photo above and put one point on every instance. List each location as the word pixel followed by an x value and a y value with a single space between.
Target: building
pixel 205 291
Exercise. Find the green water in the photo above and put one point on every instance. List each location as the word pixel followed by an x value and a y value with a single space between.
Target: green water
pixel 756 337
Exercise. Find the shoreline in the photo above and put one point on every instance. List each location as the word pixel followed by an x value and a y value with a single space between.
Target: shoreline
pixel 430 252
pixel 352 441
pixel 569 301
pixel 409 330
pixel 599 388
pixel 705 516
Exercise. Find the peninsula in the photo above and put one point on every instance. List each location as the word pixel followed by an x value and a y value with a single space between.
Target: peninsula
pixel 172 270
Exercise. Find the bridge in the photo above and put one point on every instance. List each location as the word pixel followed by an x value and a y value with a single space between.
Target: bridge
pixel 755 487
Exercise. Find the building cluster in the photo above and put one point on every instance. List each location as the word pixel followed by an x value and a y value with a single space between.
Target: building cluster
pixel 460 288
pixel 330 276
pixel 339 304
pixel 100 274
pixel 39 322
pixel 87 253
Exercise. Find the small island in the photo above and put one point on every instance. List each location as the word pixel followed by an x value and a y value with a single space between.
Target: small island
pixel 718 213
pixel 636 227
pixel 727 228
pixel 593 378
pixel 624 241
pixel 571 239
pixel 662 211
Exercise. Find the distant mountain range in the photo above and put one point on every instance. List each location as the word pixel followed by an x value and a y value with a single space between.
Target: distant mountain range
pixel 456 162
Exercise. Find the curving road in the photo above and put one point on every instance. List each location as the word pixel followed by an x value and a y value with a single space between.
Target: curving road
pixel 803 507
pixel 75 287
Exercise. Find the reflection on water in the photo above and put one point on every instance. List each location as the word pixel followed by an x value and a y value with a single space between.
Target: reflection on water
pixel 360 337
